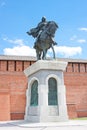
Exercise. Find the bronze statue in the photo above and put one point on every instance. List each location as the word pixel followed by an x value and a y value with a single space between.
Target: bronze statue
pixel 44 34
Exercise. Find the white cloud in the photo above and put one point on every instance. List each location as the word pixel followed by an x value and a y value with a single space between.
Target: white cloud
pixel 15 41
pixel 83 29
pixel 67 51
pixel 20 50
pixel 81 40
pixel 59 50
pixel 75 39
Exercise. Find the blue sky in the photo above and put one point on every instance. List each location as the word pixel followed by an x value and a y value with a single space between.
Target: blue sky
pixel 18 16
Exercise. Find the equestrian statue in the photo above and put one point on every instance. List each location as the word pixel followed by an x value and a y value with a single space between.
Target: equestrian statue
pixel 44 34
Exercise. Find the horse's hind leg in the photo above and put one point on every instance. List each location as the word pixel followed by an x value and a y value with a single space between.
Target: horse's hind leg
pixel 40 55
pixel 44 54
pixel 37 54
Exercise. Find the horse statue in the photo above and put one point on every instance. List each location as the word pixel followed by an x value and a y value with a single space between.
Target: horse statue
pixel 44 39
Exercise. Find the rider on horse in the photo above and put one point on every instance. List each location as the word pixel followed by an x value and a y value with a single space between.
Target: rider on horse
pixel 36 32
pixel 40 27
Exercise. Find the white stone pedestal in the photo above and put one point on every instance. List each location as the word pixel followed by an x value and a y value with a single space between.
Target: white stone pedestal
pixel 41 71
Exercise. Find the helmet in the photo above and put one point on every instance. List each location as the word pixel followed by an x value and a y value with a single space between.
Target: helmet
pixel 43 19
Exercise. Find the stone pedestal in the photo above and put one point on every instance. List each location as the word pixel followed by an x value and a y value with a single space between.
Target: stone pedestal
pixel 46 94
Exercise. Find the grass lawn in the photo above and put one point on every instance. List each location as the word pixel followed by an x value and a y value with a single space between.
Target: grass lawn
pixel 82 118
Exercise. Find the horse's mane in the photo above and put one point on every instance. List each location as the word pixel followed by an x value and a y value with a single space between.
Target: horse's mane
pixel 51 22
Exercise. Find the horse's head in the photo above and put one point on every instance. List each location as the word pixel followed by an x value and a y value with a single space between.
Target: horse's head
pixel 51 28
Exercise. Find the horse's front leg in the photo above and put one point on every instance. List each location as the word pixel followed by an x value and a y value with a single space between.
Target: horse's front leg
pixel 53 52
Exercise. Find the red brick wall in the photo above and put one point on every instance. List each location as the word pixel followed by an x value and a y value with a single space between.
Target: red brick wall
pixel 4 106
pixel 76 87
pixel 72 111
pixel 13 83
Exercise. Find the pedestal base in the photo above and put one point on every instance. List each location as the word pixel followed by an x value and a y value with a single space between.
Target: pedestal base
pixel 46 95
